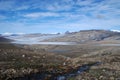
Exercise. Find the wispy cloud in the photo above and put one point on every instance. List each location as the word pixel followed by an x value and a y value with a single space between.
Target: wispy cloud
pixel 41 14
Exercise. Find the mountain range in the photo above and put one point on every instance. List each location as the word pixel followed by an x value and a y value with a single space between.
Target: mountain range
pixel 80 36
pixel 87 36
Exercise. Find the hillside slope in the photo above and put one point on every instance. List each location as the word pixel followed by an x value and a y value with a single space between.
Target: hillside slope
pixel 88 35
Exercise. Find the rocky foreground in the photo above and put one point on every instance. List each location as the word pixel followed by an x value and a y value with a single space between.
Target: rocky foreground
pixel 18 62
pixel 24 63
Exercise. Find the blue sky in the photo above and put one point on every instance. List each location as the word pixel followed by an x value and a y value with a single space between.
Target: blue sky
pixel 51 16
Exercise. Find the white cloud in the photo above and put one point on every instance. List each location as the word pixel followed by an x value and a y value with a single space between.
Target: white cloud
pixel 53 5
pixel 24 7
pixel 41 14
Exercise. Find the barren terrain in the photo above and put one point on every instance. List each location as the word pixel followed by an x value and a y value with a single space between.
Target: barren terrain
pixel 90 60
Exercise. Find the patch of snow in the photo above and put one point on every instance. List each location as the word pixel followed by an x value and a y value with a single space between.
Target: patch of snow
pixel 10 34
pixel 7 34
pixel 115 30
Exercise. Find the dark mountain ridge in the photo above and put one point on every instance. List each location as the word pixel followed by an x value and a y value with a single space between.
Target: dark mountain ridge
pixel 2 39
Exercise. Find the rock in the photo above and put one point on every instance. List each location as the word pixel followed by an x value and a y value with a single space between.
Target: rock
pixel 103 70
pixel 23 55
pixel 64 64
pixel 100 77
